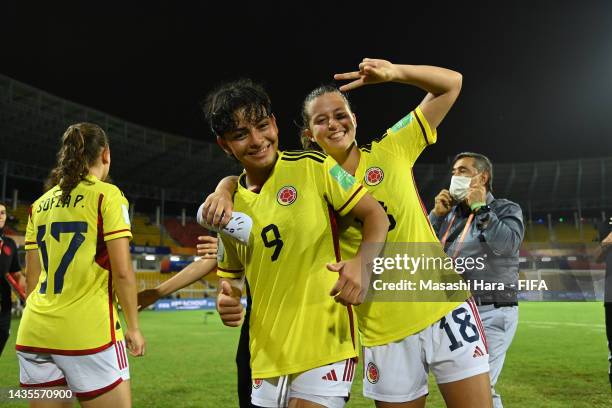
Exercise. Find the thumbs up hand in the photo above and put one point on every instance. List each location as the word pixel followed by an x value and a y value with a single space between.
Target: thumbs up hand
pixel 228 304
pixel 349 288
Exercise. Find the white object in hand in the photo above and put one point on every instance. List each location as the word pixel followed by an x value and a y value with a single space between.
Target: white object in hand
pixel 239 226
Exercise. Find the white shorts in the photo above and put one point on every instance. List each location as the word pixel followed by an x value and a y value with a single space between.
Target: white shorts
pixel 327 385
pixel 454 348
pixel 87 376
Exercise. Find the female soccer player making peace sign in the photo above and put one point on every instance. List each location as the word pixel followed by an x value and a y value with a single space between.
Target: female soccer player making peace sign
pixel 403 340
pixel 301 343
pixel 77 259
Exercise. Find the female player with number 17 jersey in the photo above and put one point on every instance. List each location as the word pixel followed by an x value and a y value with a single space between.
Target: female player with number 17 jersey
pixel 78 258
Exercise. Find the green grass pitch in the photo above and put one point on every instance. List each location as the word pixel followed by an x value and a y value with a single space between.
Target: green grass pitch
pixel 558 359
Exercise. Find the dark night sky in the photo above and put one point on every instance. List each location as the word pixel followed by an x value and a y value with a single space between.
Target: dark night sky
pixel 537 75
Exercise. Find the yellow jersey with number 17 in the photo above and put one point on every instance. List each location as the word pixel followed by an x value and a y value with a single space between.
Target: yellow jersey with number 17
pixel 72 310
pixel 295 325
pixel 385 167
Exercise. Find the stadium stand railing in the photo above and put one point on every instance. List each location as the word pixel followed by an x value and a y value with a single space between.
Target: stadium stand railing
pixel 158 166
pixel 145 160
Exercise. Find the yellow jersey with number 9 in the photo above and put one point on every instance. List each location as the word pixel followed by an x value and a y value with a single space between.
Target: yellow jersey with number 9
pixel 72 311
pixel 295 324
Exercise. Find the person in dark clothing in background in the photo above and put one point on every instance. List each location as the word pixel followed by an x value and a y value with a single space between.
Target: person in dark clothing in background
pixel 471 223
pixel 604 254
pixel 9 263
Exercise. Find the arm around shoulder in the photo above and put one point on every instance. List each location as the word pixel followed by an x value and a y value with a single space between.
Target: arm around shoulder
pixel 218 206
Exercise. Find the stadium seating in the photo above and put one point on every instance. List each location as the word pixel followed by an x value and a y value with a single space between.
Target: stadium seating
pixel 186 236
pixel 21 215
pixel 562 232
pixel 18 218
pixel 537 233
pixel 200 289
pixel 154 165
pixel 145 232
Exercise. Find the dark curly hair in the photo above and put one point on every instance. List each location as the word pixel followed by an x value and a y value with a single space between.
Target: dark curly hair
pixel 81 147
pixel 321 90
pixel 223 103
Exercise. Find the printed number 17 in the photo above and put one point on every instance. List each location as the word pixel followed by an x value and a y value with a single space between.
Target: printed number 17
pixel 58 228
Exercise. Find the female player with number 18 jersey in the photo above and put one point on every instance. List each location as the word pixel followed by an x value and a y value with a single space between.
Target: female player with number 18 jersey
pixel 403 337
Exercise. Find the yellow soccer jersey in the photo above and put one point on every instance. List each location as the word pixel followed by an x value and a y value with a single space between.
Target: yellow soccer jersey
pixel 72 310
pixel 385 168
pixel 295 325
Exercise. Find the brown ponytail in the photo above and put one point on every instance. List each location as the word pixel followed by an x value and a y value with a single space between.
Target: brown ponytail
pixel 81 147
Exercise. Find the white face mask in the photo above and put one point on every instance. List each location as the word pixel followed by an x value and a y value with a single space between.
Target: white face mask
pixel 459 187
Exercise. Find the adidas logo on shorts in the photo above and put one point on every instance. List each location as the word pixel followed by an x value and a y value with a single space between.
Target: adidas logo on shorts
pixel 478 352
pixel 331 376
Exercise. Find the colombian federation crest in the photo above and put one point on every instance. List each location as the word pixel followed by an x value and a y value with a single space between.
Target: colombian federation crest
pixel 257 383
pixel 372 373
pixel 286 195
pixel 373 176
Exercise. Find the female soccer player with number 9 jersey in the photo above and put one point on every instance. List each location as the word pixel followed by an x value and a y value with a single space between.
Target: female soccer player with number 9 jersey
pixel 77 259
pixel 301 341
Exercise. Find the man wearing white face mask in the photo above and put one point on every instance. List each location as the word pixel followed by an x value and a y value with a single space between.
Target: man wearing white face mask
pixel 471 223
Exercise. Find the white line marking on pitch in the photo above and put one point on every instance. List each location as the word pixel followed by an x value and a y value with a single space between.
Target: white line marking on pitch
pixel 561 323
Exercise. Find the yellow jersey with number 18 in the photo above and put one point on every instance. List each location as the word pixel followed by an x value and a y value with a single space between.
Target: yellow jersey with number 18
pixel 72 310
pixel 385 167
pixel 295 325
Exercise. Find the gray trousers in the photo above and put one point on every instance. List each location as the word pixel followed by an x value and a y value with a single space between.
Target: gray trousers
pixel 499 326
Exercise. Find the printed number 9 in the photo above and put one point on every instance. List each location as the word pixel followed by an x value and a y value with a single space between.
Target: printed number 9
pixel 276 243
